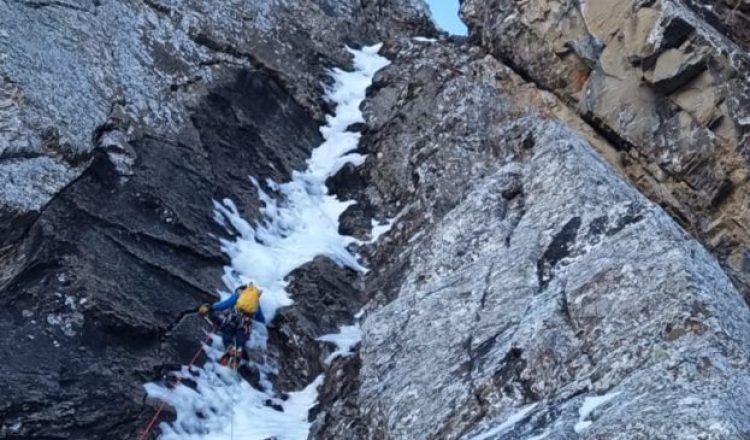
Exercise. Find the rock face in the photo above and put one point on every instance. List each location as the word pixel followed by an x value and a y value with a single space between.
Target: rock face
pixel 668 89
pixel 528 290
pixel 79 75
pixel 567 188
pixel 113 268
pixel 121 122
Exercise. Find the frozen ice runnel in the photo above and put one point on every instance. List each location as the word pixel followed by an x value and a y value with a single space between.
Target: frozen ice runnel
pixel 295 228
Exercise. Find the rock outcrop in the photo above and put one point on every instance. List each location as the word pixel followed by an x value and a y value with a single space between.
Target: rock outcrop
pixel 665 87
pixel 79 75
pixel 527 290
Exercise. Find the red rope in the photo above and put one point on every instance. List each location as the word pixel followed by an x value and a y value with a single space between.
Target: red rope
pixel 163 405
pixel 151 423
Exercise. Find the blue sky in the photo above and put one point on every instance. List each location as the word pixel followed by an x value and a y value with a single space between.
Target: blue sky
pixel 445 13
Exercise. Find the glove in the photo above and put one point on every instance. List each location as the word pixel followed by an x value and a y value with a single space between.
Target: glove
pixel 204 309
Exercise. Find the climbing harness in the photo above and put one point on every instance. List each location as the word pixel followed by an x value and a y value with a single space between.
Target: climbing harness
pixel 235 324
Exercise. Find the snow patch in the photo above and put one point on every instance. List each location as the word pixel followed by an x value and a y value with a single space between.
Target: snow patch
pixel 424 39
pixel 690 401
pixel 70 302
pixel 299 222
pixel 347 337
pixel 509 423
pixel 380 229
pixel 589 405
pixel 247 410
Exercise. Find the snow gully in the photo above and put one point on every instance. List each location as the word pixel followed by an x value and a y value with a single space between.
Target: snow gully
pixel 300 226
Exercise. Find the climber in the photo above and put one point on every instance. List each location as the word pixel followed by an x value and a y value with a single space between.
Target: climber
pixel 237 313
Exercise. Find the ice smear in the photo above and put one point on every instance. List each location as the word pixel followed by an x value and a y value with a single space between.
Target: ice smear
pixel 589 405
pixel 378 229
pixel 509 423
pixel 299 222
pixel 347 337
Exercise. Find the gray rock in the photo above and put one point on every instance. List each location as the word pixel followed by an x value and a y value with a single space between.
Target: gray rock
pixel 136 253
pixel 525 276
pixel 669 89
pixel 68 67
pixel 729 16
pixel 593 290
pixel 526 290
pixel 122 121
